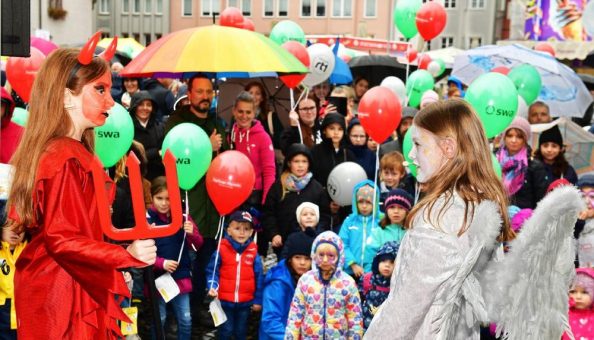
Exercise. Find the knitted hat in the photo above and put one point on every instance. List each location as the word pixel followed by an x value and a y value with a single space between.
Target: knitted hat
pixel 520 124
pixel 429 97
pixel 409 112
pixel 365 193
pixel 241 216
pixel 311 206
pixel 584 277
pixel 586 181
pixel 300 245
pixel 332 118
pixel 400 198
pixel 294 150
pixel 551 135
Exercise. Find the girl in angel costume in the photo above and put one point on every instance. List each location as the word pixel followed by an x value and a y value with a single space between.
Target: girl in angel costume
pixel 451 275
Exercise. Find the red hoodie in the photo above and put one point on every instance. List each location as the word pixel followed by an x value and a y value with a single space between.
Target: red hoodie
pixel 257 145
pixel 11 133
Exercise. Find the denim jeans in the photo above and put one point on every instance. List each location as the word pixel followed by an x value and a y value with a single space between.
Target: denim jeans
pixel 236 324
pixel 181 308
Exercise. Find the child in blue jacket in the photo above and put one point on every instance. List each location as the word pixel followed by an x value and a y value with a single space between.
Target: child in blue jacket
pixel 357 227
pixel 234 275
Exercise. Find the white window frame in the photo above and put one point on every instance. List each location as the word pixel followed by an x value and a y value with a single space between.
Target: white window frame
pixel 150 9
pixel 342 8
pixel 136 10
pixel 240 4
pixel 104 6
pixel 157 10
pixel 183 9
pixel 476 4
pixel 374 9
pixel 446 38
pixel 449 4
pixel 469 41
pixel 125 9
pixel 217 11
pixel 275 9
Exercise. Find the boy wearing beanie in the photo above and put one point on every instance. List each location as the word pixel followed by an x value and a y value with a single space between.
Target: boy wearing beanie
pixel 308 217
pixel 280 285
pixel 397 206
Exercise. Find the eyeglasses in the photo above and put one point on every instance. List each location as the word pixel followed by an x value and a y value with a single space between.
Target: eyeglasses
pixel 311 108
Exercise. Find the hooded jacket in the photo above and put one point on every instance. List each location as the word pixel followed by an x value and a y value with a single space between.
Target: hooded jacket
pixel 581 321
pixel 325 158
pixel 355 230
pixel 326 309
pixel 279 288
pixel 150 136
pixel 11 133
pixel 256 144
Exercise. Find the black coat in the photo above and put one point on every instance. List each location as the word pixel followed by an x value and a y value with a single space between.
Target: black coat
pixel 279 213
pixel 151 137
pixel 325 158
pixel 535 186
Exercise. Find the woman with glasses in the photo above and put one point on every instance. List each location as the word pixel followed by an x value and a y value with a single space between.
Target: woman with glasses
pixel 304 128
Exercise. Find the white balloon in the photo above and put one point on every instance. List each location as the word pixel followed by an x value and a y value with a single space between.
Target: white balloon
pixel 321 64
pixel 397 86
pixel 588 18
pixel 342 181
pixel 522 108
pixel 434 68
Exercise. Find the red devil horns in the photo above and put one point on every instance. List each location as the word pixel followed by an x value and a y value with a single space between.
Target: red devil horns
pixel 87 53
pixel 110 50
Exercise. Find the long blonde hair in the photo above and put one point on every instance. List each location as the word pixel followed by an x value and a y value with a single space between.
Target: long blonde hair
pixel 469 173
pixel 48 119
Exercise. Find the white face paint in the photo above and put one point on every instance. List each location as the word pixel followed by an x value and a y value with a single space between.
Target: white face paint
pixel 425 154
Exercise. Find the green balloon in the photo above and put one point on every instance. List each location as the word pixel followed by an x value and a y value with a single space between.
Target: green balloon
pixel 442 66
pixel 406 147
pixel 495 98
pixel 405 16
pixel 113 139
pixel 418 82
pixel 496 165
pixel 527 80
pixel 191 147
pixel 20 116
pixel 287 30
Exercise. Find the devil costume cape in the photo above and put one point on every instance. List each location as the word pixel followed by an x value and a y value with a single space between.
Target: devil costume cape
pixel 67 278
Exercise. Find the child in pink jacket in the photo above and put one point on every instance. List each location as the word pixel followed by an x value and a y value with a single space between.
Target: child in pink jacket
pixel 581 314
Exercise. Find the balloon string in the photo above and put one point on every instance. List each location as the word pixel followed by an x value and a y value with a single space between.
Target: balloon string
pixel 293 107
pixel 375 201
pixel 181 249
pixel 219 234
pixel 407 61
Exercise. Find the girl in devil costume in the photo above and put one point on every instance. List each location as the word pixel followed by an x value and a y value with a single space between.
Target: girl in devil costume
pixel 67 278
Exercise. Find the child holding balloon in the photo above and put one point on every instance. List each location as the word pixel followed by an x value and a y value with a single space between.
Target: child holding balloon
pixel 173 256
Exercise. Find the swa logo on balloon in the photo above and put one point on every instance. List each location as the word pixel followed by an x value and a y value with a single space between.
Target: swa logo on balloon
pixel 108 134
pixel 491 110
pixel 182 161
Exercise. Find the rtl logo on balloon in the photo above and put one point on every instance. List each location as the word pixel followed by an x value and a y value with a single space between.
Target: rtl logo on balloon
pixel 320 64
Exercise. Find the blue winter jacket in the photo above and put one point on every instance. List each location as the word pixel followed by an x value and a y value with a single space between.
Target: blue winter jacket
pixel 278 293
pixel 356 229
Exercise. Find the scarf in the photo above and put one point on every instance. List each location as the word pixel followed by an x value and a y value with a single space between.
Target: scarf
pixel 296 184
pixel 513 169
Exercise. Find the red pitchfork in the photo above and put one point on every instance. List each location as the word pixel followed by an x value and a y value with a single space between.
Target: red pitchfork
pixel 142 230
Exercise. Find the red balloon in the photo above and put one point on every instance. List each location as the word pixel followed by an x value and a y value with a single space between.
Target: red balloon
pixel 501 69
pixel 411 54
pixel 545 47
pixel 231 17
pixel 45 46
pixel 300 52
pixel 424 61
pixel 21 72
pixel 380 112
pixel 248 24
pixel 230 180
pixel 431 19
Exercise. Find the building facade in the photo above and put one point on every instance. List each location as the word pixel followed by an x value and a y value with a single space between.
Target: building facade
pixel 56 20
pixel 143 20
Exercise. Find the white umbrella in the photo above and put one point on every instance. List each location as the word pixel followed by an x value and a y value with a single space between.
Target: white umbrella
pixel 562 89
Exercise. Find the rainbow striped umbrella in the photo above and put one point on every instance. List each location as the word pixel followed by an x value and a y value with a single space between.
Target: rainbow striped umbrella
pixel 217 50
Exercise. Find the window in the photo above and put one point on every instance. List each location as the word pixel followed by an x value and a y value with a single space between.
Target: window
pixel 159 7
pixel 370 8
pixel 449 3
pixel 477 4
pixel 210 7
pixel 447 42
pixel 278 8
pixel 244 5
pixel 148 6
pixel 429 45
pixel 475 42
pixel 186 8
pixel 147 39
pixel 157 36
pixel 125 6
pixel 136 6
pixel 125 35
pixel 104 6
pixel 136 36
pixel 342 8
